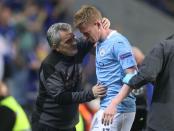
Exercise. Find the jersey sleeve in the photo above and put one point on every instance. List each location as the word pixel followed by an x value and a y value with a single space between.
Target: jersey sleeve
pixel 148 72
pixel 122 51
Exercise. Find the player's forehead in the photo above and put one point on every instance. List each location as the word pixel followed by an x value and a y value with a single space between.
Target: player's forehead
pixel 86 27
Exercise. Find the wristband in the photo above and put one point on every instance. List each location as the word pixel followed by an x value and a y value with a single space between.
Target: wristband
pixel 127 78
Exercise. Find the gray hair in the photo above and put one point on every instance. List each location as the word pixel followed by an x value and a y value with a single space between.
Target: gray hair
pixel 53 33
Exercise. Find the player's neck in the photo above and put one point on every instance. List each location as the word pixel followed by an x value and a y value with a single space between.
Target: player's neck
pixel 105 33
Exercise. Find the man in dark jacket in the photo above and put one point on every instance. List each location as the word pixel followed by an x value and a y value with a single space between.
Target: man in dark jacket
pixel 59 82
pixel 158 69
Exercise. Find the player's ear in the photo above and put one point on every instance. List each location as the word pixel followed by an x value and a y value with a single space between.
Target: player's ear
pixel 98 23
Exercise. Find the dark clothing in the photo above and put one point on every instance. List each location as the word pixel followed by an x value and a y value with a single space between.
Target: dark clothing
pixel 59 91
pixel 42 127
pixel 7 119
pixel 150 129
pixel 158 68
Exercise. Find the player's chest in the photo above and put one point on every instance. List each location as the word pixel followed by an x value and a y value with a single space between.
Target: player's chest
pixel 104 56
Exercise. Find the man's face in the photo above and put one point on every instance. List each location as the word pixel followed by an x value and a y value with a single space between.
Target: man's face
pixel 68 44
pixel 90 31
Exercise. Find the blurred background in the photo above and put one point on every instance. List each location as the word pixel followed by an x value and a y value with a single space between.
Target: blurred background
pixel 23 45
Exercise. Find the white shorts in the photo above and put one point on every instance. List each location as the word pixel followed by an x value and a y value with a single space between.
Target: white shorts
pixel 121 122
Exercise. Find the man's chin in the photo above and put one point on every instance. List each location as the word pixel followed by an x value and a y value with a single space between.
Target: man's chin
pixel 73 53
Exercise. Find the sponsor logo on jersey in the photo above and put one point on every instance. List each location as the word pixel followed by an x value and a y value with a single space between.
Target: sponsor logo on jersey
pixel 126 55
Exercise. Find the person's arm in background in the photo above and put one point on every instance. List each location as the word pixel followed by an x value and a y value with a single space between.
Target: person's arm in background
pixel 147 73
pixel 139 55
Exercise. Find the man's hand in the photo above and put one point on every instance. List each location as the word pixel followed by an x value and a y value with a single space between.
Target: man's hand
pixel 108 114
pixel 99 90
pixel 105 23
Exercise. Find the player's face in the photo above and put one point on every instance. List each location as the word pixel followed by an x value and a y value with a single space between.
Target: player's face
pixel 68 44
pixel 90 31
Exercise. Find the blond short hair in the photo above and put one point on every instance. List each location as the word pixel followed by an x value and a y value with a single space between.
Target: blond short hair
pixel 86 14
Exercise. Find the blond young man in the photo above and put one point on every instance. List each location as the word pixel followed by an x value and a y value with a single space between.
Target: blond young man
pixel 114 59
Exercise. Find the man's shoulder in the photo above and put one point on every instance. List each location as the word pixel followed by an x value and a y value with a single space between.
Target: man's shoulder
pixel 170 37
pixel 51 59
pixel 168 43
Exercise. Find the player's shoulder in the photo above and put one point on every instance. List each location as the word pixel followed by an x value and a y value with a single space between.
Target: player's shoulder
pixel 119 38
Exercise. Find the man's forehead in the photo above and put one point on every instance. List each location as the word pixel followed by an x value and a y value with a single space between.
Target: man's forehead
pixel 65 35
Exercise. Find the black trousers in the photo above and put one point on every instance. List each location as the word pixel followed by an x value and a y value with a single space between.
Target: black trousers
pixel 42 127
pixel 149 129
pixel 36 126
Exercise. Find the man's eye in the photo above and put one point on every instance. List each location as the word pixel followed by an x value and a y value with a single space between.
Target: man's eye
pixel 68 41
pixel 86 34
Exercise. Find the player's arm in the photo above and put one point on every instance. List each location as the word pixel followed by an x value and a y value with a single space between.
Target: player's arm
pixel 110 111
pixel 150 68
pixel 147 73
pixel 123 54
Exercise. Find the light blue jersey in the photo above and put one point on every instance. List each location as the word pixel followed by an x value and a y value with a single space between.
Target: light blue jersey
pixel 113 56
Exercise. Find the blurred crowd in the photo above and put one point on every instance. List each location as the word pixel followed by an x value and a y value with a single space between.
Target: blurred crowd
pixel 23 44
